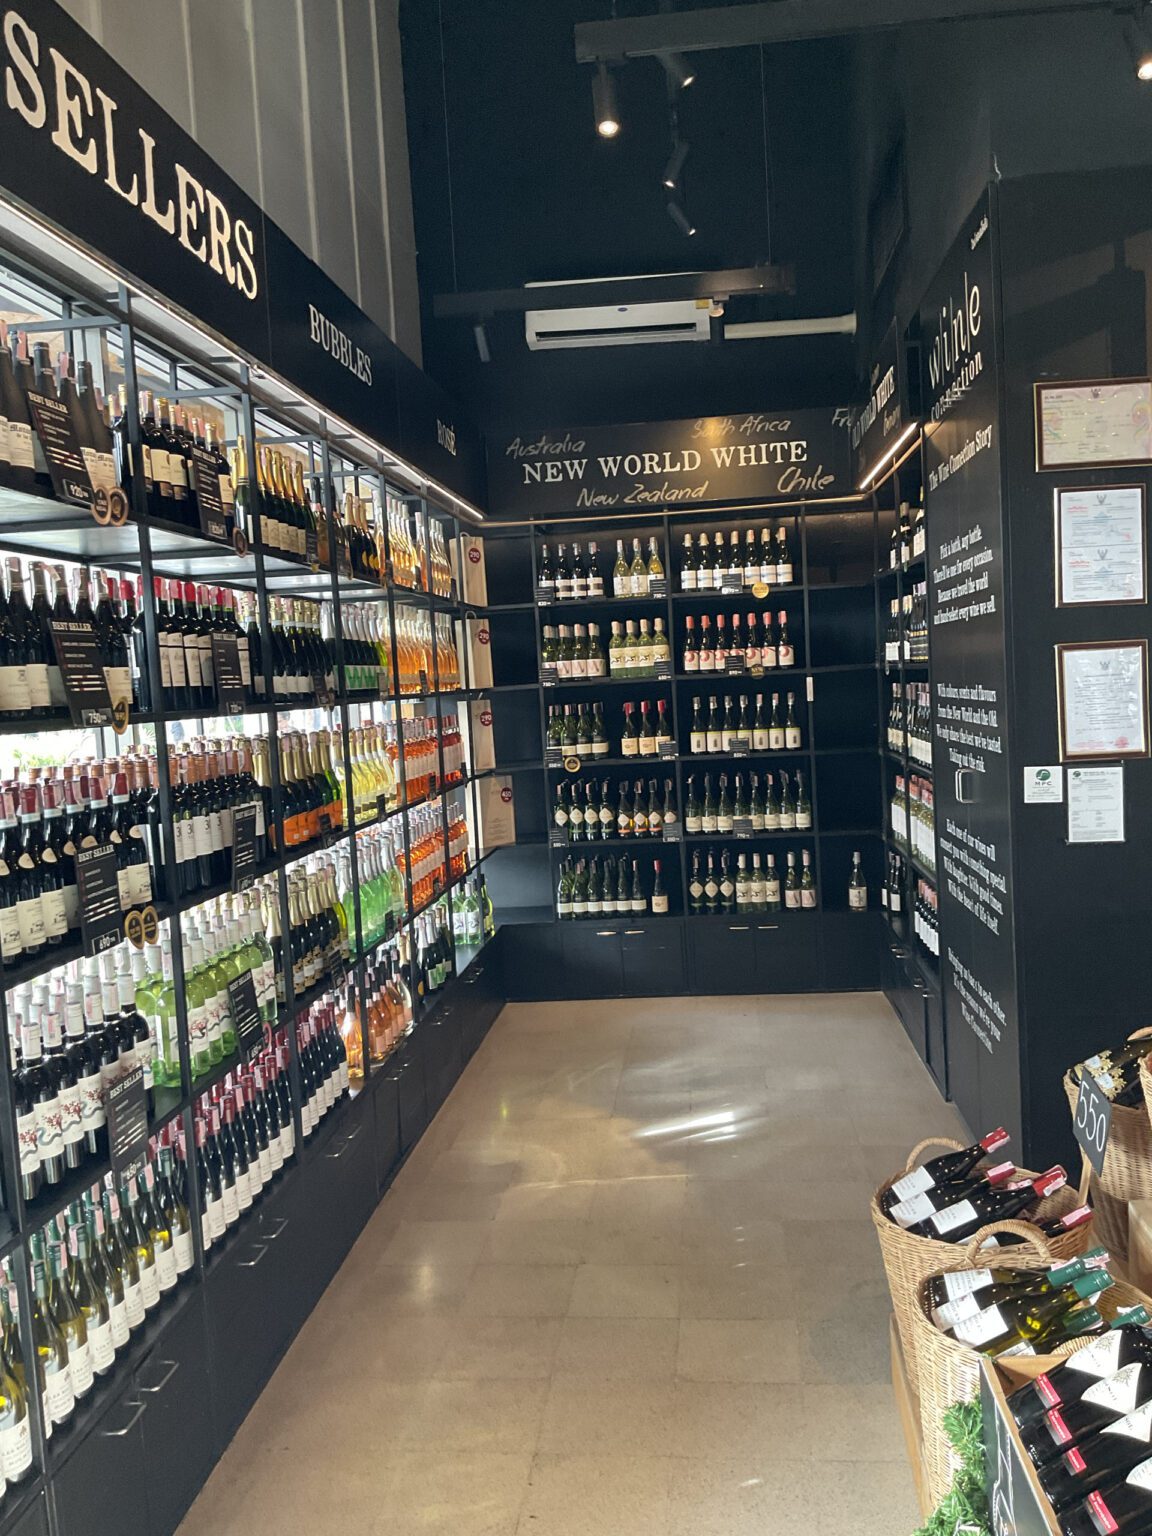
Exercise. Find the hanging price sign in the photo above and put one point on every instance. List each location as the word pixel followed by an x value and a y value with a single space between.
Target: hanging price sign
pixel 1093 1120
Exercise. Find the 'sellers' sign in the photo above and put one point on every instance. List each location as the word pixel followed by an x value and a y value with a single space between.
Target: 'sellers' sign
pixel 784 456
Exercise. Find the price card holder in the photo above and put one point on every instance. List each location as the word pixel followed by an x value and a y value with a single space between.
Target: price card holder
pixel 246 1013
pixel 740 746
pixel 662 669
pixel 734 666
pixel 546 596
pixel 82 667
pixel 673 832
pixel 657 586
pixel 61 449
pixel 557 837
pixel 554 757
pixel 213 518
pixel 382 807
pixel 338 975
pixel 1093 1120
pixel 101 925
pixel 243 847
pixel 732 589
pixel 312 548
pixel 667 750
pixel 231 696
pixel 325 698
pixel 742 826
pixel 126 1106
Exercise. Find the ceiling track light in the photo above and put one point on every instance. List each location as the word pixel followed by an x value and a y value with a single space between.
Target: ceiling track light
pixel 677 69
pixel 604 102
pixel 1138 31
pixel 675 167
pixel 681 220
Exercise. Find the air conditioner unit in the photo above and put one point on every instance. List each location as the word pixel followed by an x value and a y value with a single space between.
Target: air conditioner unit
pixel 616 325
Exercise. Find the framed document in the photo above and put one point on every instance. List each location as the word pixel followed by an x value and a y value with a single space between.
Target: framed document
pixel 1102 694
pixel 1103 423
pixel 1100 544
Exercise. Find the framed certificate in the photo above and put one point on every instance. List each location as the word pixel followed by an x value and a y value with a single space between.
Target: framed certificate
pixel 1100 544
pixel 1102 694
pixel 1101 423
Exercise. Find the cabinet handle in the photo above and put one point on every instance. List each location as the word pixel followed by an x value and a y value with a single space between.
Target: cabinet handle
pixel 632 932
pixel 738 927
pixel 272 1236
pixel 261 1250
pixel 353 1133
pixel 118 1434
pixel 334 1157
pixel 605 933
pixel 767 927
pixel 173 1367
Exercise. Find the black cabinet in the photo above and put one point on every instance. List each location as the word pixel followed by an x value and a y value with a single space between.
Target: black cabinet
pixel 905 994
pixel 723 955
pixel 440 1036
pixel 386 1127
pixel 787 952
pixel 593 966
pixel 100 1490
pixel 174 1383
pixel 533 961
pixel 343 1192
pixel 652 958
pixel 480 988
pixel 34 1520
pixel 407 1070
pixel 247 1330
pixel 851 951
pixel 936 1046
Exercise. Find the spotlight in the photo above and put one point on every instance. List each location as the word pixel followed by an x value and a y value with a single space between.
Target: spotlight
pixel 1139 35
pixel 681 220
pixel 604 102
pixel 675 166
pixel 680 73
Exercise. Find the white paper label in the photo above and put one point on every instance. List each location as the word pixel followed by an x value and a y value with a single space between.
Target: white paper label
pixel 119 1323
pixel 59 1398
pixel 80 1366
pixel 182 1241
pixel 954 1216
pixel 150 1285
pixel 16 1449
pixel 101 1345
pixel 1141 1476
pixel 166 1268
pixel 1121 1391
pixel 909 1212
pixel 1098 1358
pixel 964 1281
pixel 986 1325
pixel 134 1304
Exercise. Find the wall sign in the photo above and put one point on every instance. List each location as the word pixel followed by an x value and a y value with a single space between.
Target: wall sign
pixel 647 466
pixel 975 785
pixel 1103 422
pixel 92 153
pixel 1095 805
pixel 1102 692
pixel 1100 544
pixel 881 424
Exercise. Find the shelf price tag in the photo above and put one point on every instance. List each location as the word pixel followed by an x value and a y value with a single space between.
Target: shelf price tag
pixel 732 589
pixel 554 757
pixel 213 518
pixel 557 837
pixel 673 832
pixel 325 698
pixel 657 586
pixel 312 548
pixel 100 922
pixel 667 750
pixel 739 746
pixel 82 667
pixel 742 826
pixel 126 1105
pixel 230 694
pixel 246 1013
pixel 61 447
pixel 1093 1120
pixel 338 975
pixel 243 847
pixel 662 669
pixel 734 665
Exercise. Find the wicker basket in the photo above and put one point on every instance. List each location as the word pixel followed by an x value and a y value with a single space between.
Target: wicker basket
pixel 908 1259
pixel 950 1371
pixel 1127 1173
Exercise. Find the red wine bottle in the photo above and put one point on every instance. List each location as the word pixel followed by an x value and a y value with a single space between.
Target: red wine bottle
pixel 959 1221
pixel 1067 1383
pixel 1097 1459
pixel 1121 1508
pixel 947 1169
pixel 913 1213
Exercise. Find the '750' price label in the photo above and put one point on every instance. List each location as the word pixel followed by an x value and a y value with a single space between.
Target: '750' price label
pixel 1093 1120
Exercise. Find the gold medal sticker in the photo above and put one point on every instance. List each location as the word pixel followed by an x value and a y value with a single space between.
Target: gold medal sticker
pixel 142 926
pixel 121 709
pixel 117 507
pixel 760 590
pixel 572 764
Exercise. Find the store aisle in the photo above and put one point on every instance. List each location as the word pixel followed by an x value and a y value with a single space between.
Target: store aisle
pixel 627 1283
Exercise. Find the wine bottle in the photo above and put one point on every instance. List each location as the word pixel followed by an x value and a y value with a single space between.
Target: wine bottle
pixel 1019 1324
pixel 1066 1383
pixel 1120 1508
pixel 945 1169
pixel 988 1203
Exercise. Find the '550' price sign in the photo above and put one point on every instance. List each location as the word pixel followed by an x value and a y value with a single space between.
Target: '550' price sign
pixel 1093 1119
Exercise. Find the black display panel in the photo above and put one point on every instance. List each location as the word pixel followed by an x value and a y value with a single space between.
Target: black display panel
pixel 963 474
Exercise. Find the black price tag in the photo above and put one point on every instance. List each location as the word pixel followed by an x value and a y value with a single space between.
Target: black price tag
pixel 312 548
pixel 243 847
pixel 246 1013
pixel 662 669
pixel 126 1105
pixel 657 586
pixel 213 518
pixel 554 757
pixel 1093 1119
pixel 739 746
pixel 742 826
pixel 557 837
pixel 100 920
pixel 546 595
pixel 734 665
pixel 338 975
pixel 732 589
pixel 673 832
pixel 667 750
pixel 61 449
pixel 82 667
pixel 382 807
pixel 231 695
pixel 325 698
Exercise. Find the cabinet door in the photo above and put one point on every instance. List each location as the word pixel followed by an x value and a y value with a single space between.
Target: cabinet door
pixel 34 1520
pixel 723 955
pixel 386 1108
pixel 343 1191
pixel 247 1331
pixel 592 962
pixel 441 1039
pixel 851 951
pixel 653 959
pixel 409 1074
pixel 533 960
pixel 906 1000
pixel 787 952
pixel 936 1045
pixel 175 1383
pixel 99 1491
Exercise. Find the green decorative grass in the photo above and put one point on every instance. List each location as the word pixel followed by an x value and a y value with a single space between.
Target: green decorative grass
pixel 964 1509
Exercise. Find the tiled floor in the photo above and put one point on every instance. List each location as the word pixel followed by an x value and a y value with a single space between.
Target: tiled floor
pixel 626 1284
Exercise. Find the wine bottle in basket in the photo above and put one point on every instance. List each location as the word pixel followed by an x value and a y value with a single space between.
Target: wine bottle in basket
pixel 1025 1325
pixel 1097 1459
pixel 911 1214
pixel 949 1168
pixel 1122 1508
pixel 989 1203
pixel 961 1293
pixel 1055 1226
pixel 1067 1383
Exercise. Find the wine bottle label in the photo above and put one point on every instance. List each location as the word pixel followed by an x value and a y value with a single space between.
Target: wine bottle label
pixel 775 739
pixel 772 892
pixel 177 662
pixel 963 1281
pixel 954 1216
pixel 118 1313
pixel 759 739
pixel 80 1367
pixel 124 886
pixel 166 1268
pixel 16 1449
pixel 1121 1392
pixel 985 1325
pixel 659 905
pixel 202 836
pixel 807 898
pixel 101 1345
pixel 134 1302
pixel 71 1115
pixel 1133 1426
pixel 139 880
pixel 182 1245
pixel 119 681
pixel 161 473
pixel 791 899
pixel 724 823
pixel 785 656
pixel 191 649
pixel 206 1232
pixel 198 1026
pixel 28 1138
pixel 55 912
pixel 784 574
pixel 49 1129
pixel 231 1205
pixel 1101 1358
pixel 15 696
pixel 630 746
pixel 59 1398
pixel 91 1089
pixel 216 1222
pixel 1139 1477
pixel 694 823
pixel 857 898
pixel 21 452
